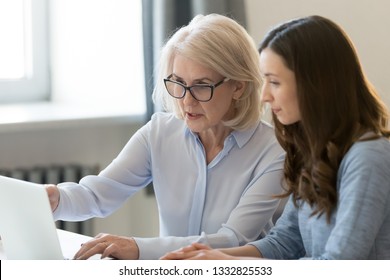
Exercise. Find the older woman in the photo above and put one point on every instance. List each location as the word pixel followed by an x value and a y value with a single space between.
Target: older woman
pixel 215 167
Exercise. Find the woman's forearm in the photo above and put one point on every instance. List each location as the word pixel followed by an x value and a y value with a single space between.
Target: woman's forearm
pixel 243 251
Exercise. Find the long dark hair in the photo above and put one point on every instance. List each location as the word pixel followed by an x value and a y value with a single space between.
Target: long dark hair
pixel 337 105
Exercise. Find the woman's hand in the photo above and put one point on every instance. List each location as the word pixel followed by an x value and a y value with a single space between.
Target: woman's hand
pixel 197 251
pixel 109 246
pixel 54 195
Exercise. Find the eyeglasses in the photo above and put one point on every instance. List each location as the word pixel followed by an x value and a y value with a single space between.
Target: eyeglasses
pixel 202 93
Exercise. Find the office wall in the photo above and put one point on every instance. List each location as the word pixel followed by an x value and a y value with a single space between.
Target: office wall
pixel 366 21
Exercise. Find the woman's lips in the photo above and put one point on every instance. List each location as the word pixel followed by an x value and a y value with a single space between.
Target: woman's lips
pixel 192 116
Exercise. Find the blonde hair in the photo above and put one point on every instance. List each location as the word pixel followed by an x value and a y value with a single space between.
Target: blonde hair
pixel 221 44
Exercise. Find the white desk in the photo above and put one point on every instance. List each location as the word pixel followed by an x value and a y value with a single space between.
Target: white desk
pixel 70 243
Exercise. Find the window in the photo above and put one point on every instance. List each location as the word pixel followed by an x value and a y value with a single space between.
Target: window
pixel 92 50
pixel 23 51
pixel 13 56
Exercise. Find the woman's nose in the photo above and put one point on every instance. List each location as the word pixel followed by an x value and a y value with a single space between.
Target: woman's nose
pixel 265 95
pixel 188 98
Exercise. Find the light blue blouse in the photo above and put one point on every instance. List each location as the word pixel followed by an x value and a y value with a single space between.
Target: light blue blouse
pixel 360 226
pixel 225 203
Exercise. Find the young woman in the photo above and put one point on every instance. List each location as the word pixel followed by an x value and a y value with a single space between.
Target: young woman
pixel 334 128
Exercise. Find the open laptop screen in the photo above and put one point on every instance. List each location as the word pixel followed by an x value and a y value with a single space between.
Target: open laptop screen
pixel 27 228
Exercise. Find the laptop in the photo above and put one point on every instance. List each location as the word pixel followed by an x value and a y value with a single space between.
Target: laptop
pixel 27 227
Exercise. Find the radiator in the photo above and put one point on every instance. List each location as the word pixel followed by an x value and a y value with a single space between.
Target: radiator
pixel 55 174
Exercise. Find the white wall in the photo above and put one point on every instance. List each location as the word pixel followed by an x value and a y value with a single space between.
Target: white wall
pixel 93 54
pixel 366 21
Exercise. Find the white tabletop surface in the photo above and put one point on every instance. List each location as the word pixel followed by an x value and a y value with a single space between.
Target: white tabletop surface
pixel 70 244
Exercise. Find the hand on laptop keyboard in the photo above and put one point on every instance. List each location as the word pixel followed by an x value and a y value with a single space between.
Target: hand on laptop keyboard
pixel 109 246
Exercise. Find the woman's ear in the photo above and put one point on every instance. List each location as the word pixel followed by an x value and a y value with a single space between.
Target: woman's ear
pixel 239 88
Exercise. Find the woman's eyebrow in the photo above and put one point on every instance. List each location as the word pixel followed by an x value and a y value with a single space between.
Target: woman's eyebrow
pixel 203 79
pixel 269 74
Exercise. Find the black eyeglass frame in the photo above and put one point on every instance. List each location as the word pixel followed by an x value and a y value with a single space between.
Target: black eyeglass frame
pixel 185 88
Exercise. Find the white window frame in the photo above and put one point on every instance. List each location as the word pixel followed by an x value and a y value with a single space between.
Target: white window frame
pixel 35 86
